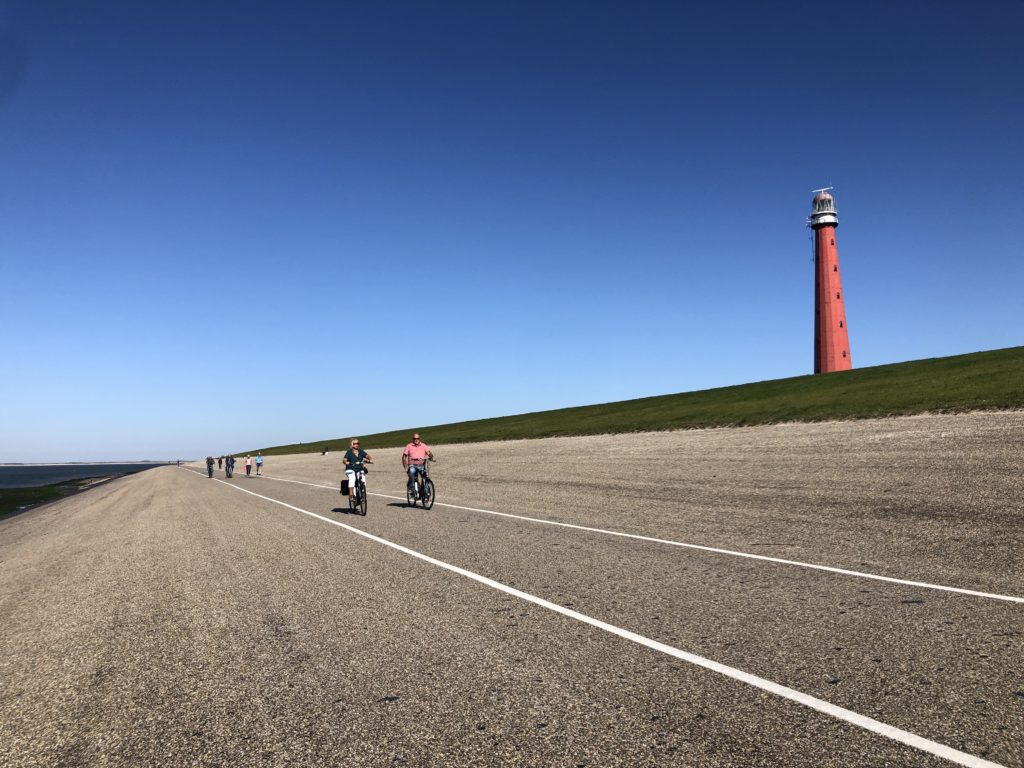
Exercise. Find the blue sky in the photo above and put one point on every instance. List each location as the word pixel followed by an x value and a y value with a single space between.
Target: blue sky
pixel 235 224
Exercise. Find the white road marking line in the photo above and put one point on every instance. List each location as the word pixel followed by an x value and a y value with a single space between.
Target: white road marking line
pixel 819 705
pixel 716 550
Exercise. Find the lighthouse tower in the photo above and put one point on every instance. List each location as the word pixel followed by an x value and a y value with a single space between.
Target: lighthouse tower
pixel 831 339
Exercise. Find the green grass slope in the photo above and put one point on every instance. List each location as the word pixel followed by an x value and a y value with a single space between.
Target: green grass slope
pixel 13 499
pixel 978 381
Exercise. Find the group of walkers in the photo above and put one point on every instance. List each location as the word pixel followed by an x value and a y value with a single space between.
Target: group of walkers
pixel 228 465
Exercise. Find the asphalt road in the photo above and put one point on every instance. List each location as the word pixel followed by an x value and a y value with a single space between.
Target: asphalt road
pixel 170 619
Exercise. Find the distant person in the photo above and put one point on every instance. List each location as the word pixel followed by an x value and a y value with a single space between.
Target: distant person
pixel 259 464
pixel 209 466
pixel 220 460
pixel 414 459
pixel 248 465
pixel 325 450
pixel 229 466
pixel 354 459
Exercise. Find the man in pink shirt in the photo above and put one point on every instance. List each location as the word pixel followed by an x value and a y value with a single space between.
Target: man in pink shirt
pixel 414 457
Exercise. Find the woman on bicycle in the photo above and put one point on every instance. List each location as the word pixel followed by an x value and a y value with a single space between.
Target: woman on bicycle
pixel 354 459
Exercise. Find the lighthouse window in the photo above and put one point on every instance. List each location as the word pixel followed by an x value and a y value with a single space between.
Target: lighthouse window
pixel 835 268
pixel 840 323
pixel 844 353
pixel 837 295
pixel 832 241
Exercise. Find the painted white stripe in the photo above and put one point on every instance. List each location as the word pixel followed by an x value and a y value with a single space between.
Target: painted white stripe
pixel 819 705
pixel 716 550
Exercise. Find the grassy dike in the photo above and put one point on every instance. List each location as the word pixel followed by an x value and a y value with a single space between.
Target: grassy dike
pixel 978 381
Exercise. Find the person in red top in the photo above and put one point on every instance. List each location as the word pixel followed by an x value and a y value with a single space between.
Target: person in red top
pixel 414 457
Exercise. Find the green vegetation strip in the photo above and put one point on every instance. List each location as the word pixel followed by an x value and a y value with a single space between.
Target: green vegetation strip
pixel 980 381
pixel 13 499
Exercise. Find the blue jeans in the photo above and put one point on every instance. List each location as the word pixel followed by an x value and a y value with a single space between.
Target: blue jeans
pixel 415 469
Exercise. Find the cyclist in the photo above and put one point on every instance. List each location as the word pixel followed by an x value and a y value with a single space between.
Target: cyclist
pixel 354 459
pixel 414 459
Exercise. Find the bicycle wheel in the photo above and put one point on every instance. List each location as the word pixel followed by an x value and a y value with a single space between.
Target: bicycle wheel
pixel 352 503
pixel 410 495
pixel 428 493
pixel 361 504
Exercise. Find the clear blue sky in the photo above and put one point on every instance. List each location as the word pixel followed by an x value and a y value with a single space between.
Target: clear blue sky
pixel 235 224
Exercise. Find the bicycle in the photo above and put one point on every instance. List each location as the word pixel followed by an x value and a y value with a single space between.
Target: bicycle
pixel 422 490
pixel 357 499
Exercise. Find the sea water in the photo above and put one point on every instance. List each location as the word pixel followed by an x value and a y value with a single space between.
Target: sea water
pixel 32 475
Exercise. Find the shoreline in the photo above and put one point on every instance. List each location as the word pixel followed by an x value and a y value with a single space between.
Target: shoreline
pixel 40 475
pixel 85 463
pixel 14 501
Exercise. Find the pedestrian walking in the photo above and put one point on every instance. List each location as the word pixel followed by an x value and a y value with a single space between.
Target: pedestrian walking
pixel 209 466
pixel 248 465
pixel 220 460
pixel 259 464
pixel 229 466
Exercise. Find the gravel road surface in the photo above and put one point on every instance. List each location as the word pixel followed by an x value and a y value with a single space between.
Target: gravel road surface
pixel 169 619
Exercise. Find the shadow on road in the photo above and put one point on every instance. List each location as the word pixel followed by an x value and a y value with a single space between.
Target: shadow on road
pixel 345 511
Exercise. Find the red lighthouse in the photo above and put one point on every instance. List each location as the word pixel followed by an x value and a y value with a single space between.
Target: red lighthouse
pixel 831 339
